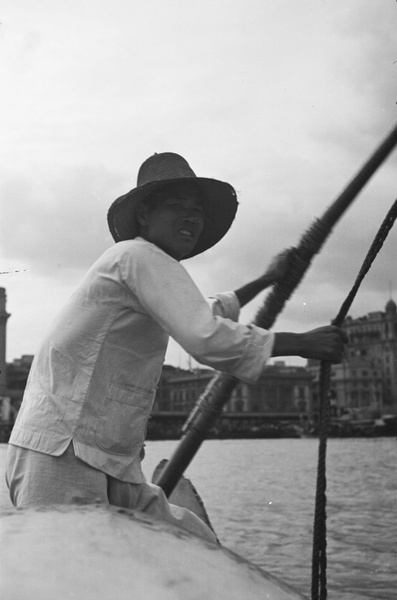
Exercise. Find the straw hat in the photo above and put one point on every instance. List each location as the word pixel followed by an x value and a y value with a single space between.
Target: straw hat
pixel 219 200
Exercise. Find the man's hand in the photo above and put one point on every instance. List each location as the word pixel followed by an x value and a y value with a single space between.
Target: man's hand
pixel 323 343
pixel 276 270
pixel 278 266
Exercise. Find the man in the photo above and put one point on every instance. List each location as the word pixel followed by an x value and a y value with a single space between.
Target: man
pixel 82 424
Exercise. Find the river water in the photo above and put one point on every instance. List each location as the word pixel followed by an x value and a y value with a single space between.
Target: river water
pixel 259 495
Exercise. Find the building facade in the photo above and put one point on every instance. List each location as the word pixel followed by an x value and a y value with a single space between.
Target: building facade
pixel 3 344
pixel 367 378
pixel 280 389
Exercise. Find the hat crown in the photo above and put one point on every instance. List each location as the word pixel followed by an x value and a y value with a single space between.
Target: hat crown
pixel 162 167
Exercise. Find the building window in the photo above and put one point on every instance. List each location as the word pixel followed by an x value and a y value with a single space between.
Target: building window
pixel 239 405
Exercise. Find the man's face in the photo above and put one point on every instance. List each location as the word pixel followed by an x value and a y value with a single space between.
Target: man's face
pixel 173 220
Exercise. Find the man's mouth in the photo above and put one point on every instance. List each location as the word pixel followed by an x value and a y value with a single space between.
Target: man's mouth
pixel 186 233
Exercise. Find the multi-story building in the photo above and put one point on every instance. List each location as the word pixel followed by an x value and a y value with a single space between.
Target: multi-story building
pixel 281 389
pixel 17 375
pixel 282 395
pixel 367 378
pixel 179 389
pixel 3 329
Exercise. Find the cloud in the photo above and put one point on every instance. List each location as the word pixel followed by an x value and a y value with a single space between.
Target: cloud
pixel 58 220
pixel 363 94
pixel 284 104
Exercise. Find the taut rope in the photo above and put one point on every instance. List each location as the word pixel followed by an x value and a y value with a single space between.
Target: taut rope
pixel 319 556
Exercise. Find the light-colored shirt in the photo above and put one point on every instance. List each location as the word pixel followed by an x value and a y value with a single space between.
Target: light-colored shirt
pixel 93 379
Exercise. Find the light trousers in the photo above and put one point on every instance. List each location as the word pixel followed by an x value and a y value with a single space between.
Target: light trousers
pixel 37 479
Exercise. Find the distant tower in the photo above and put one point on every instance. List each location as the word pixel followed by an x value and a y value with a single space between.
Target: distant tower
pixel 391 308
pixel 3 326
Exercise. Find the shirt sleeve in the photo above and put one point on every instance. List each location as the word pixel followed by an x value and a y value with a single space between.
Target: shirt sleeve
pixel 167 293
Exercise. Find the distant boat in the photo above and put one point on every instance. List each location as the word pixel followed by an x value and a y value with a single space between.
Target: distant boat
pixel 386 426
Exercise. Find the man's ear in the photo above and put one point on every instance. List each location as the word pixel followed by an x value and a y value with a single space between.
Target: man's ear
pixel 141 214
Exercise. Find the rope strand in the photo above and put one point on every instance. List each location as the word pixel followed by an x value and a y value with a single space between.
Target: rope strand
pixel 319 556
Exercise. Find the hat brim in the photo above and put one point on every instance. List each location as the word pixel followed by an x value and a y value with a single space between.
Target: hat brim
pixel 219 204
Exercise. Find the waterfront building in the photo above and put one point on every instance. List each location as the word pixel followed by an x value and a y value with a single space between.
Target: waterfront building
pixel 280 389
pixel 8 407
pixel 179 389
pixel 17 375
pixel 366 381
pixel 4 316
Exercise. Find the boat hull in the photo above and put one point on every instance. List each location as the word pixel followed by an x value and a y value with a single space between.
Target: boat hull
pixel 98 552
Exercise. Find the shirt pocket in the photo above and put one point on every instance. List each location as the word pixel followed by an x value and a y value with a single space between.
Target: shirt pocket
pixel 121 426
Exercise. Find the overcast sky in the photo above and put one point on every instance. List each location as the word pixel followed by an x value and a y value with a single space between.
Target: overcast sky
pixel 285 100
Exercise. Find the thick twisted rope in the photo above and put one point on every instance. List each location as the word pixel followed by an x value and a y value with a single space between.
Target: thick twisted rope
pixel 319 555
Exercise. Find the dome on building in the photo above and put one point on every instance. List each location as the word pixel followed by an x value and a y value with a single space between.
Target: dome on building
pixel 391 307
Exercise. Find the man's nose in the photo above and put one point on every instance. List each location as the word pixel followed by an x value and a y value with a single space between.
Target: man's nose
pixel 191 217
